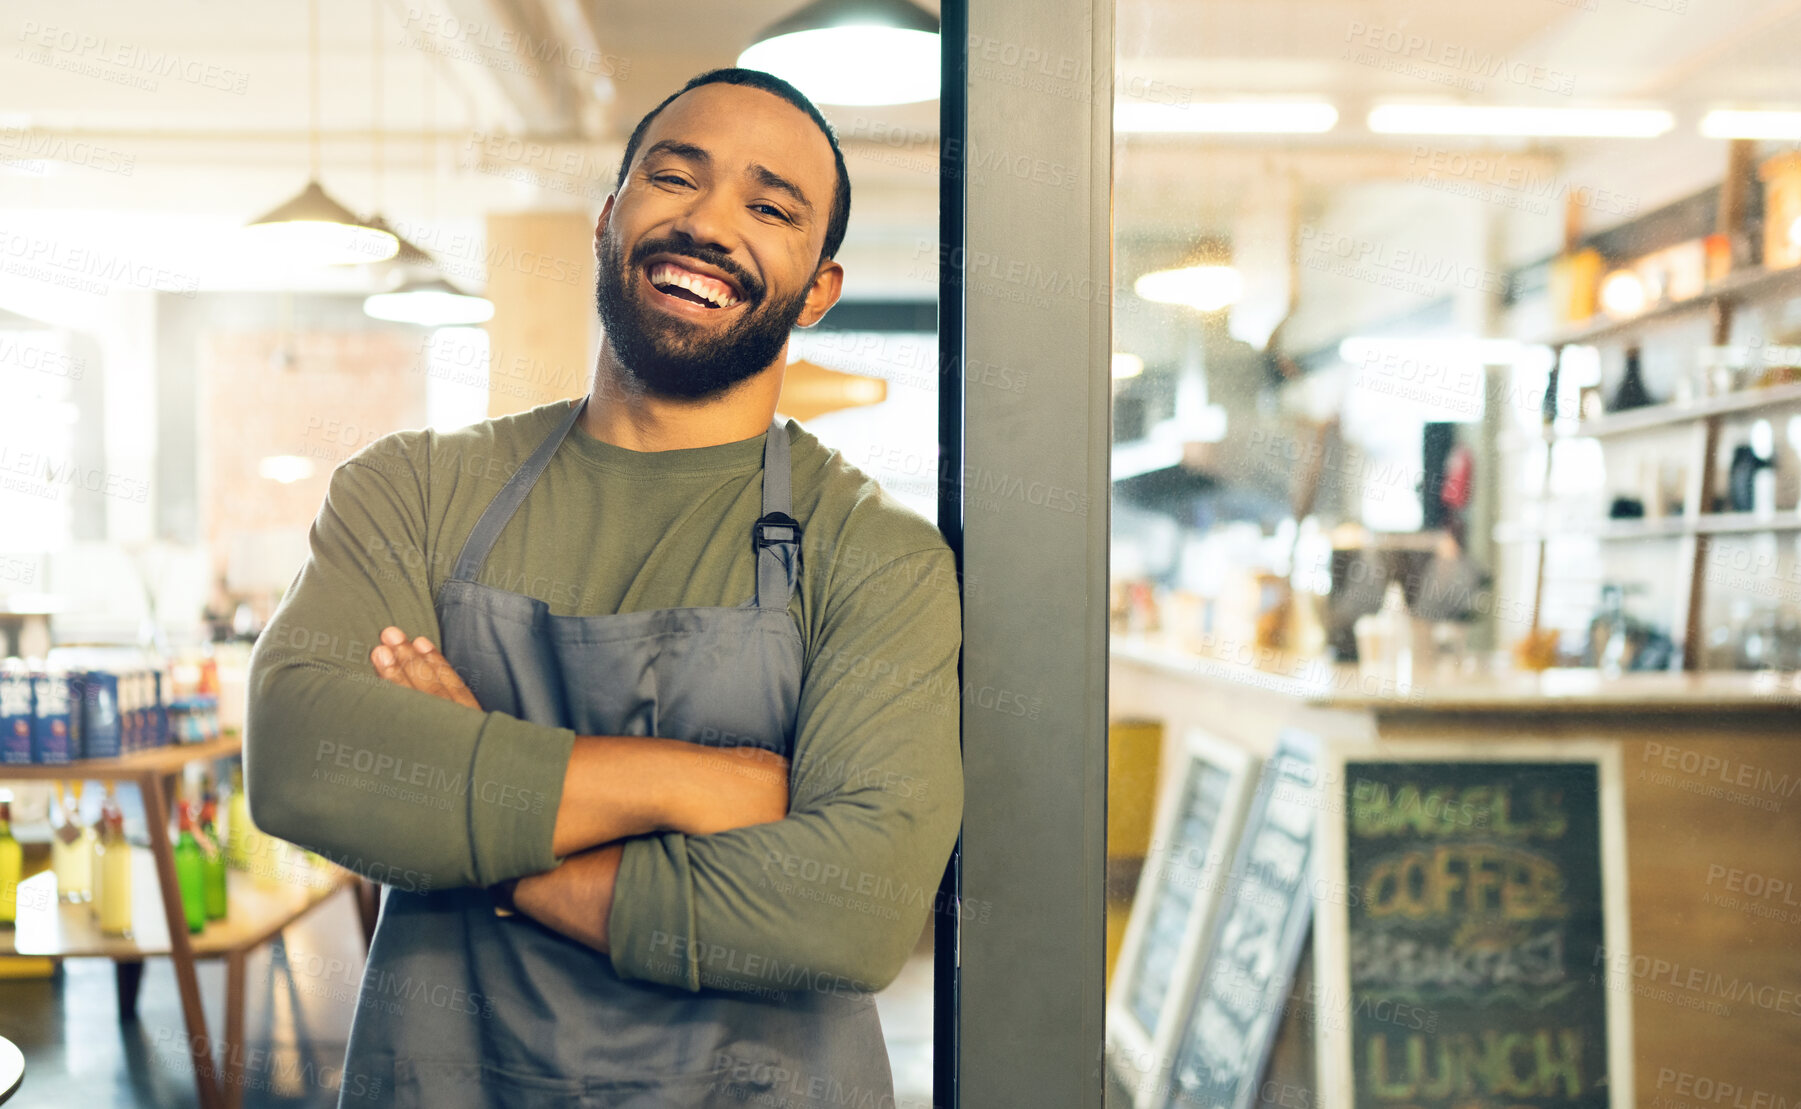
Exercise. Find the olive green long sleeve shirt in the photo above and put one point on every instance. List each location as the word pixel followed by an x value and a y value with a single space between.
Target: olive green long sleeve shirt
pixel 422 794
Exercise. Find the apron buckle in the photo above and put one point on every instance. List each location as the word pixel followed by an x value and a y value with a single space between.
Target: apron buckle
pixel 774 530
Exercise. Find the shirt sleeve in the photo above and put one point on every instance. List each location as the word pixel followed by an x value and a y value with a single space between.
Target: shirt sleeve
pixel 400 786
pixel 833 897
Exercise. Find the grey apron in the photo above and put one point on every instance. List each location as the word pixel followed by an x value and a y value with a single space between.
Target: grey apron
pixel 460 1007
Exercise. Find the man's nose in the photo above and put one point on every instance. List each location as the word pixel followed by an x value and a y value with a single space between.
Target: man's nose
pixel 707 221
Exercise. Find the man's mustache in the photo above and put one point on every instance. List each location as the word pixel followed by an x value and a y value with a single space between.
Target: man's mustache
pixel 688 248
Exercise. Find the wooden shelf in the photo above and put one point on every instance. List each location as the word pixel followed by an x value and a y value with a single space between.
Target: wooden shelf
pixel 1669 527
pixel 166 759
pixel 259 910
pixel 1665 415
pixel 1744 285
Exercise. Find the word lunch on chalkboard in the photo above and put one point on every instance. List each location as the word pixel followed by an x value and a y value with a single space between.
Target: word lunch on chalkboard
pixel 1480 883
pixel 1249 967
pixel 1178 892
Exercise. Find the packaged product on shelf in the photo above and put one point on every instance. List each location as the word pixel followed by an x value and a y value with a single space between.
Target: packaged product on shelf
pixel 159 713
pixel 100 715
pixel 128 715
pixel 194 718
pixel 15 715
pixel 54 695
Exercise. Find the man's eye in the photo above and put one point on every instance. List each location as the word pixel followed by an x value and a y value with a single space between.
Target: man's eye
pixel 669 178
pixel 772 210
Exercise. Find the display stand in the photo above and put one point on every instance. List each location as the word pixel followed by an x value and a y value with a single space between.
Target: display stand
pixel 259 911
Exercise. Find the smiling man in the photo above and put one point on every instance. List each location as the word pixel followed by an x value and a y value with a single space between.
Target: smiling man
pixel 642 706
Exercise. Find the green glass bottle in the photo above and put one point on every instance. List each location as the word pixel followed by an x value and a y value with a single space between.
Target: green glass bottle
pixel 12 865
pixel 213 857
pixel 190 873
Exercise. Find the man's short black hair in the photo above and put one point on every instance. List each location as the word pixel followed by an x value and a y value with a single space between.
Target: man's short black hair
pixel 770 83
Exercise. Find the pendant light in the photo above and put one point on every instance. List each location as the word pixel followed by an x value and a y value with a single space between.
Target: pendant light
pixel 312 228
pixel 853 52
pixel 419 293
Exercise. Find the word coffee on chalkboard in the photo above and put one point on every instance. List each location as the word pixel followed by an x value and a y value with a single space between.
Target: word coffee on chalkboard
pixel 1191 850
pixel 1250 964
pixel 1474 895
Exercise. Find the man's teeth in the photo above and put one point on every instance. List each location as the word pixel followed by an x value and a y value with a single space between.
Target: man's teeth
pixel 714 292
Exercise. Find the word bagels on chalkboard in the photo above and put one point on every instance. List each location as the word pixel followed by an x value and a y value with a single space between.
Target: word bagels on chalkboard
pixel 1476 894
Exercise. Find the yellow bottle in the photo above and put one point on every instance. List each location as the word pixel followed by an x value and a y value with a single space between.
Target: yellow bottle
pixel 113 873
pixel 238 830
pixel 72 848
pixel 12 865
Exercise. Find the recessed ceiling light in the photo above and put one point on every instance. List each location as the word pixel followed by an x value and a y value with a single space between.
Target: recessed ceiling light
pixel 1471 119
pixel 1274 117
pixel 1727 123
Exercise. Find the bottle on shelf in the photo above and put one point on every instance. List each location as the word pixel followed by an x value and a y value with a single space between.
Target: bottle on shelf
pixel 112 870
pixel 1385 639
pixel 72 848
pixel 12 865
pixel 245 848
pixel 212 865
pixel 190 874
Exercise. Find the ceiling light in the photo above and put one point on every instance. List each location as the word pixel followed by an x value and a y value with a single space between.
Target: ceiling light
pixel 312 228
pixel 1723 123
pixel 430 302
pixel 1207 288
pixel 1274 117
pixel 853 52
pixel 1126 365
pixel 1467 119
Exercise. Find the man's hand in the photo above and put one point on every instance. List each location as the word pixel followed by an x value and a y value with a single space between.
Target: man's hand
pixel 419 665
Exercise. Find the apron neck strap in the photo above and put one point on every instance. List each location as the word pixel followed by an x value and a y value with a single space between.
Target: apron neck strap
pixel 511 496
pixel 775 538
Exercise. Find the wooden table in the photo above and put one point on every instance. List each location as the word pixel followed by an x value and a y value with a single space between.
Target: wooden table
pixel 259 910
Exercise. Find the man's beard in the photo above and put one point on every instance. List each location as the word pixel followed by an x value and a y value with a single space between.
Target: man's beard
pixel 673 358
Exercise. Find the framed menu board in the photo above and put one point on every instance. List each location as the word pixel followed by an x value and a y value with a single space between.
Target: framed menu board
pixel 1483 905
pixel 1197 828
pixel 1243 986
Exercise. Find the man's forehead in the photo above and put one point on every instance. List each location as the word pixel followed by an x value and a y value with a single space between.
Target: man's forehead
pixel 747 125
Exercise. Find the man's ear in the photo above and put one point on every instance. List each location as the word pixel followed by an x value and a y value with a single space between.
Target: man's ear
pixel 828 285
pixel 600 226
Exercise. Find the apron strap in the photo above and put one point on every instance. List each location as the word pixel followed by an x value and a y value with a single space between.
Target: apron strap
pixel 775 538
pixel 507 501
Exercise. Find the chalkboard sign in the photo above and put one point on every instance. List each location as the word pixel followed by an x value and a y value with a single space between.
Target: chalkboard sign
pixel 1191 848
pixel 1479 887
pixel 1250 964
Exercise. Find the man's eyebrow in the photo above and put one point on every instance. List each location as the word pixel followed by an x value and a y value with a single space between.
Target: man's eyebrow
pixel 679 149
pixel 770 179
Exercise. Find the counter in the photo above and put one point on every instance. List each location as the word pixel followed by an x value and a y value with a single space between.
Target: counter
pixel 1710 769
